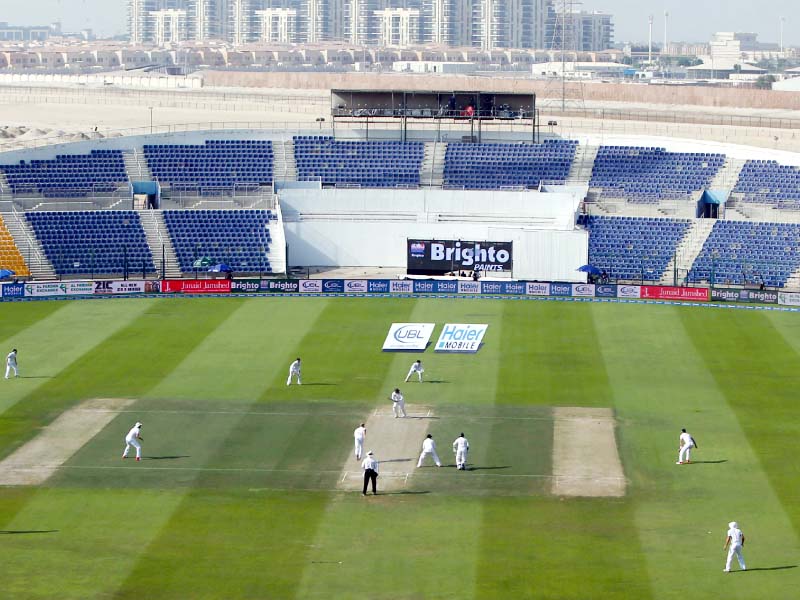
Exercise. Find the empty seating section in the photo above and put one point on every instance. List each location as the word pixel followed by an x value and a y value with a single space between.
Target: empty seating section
pixel 633 248
pixel 767 182
pixel 10 256
pixel 212 168
pixel 494 166
pixel 378 164
pixel 237 238
pixel 68 176
pixel 649 175
pixel 81 242
pixel 748 252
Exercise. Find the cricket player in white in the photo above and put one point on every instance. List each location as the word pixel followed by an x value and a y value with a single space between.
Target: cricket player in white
pixel 461 447
pixel 11 363
pixel 429 447
pixel 294 369
pixel 398 404
pixel 415 368
pixel 132 439
pixel 358 435
pixel 733 544
pixel 686 442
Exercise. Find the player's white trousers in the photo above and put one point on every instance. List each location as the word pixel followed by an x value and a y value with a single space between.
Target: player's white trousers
pixel 399 408
pixel 135 444
pixel 685 453
pixel 737 550
pixel 289 379
pixel 9 368
pixel 359 448
pixel 411 372
pixel 425 453
pixel 461 458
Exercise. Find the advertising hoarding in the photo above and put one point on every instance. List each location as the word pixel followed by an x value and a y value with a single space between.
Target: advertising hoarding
pixel 461 337
pixel 437 257
pixel 664 292
pixel 408 336
pixel 196 286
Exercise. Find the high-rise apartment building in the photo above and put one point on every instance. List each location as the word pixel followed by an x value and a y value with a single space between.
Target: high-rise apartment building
pixel 486 24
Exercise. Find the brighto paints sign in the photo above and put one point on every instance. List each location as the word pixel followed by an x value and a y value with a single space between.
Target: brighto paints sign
pixel 408 336
pixel 461 337
pixel 427 257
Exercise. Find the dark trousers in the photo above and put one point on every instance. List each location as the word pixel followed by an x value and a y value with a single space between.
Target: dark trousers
pixel 370 475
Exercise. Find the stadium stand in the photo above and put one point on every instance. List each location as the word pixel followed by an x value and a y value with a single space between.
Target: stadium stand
pixel 767 182
pixel 748 252
pixel 80 242
pixel 495 166
pixel 649 175
pixel 68 176
pixel 237 238
pixel 10 256
pixel 211 167
pixel 632 247
pixel 363 163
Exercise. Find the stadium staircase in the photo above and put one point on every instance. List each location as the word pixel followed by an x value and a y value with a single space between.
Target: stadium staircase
pixel 10 256
pixel 136 165
pixel 728 175
pixel 793 281
pixel 432 167
pixel 155 230
pixel 687 251
pixel 284 166
pixel 581 170
pixel 29 246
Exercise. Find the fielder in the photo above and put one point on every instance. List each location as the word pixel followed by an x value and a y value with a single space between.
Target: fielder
pixel 429 447
pixel 132 439
pixel 359 435
pixel 686 442
pixel 11 363
pixel 461 447
pixel 733 544
pixel 415 368
pixel 294 369
pixel 398 403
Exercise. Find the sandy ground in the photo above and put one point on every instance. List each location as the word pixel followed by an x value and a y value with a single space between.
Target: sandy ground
pixel 585 457
pixel 37 460
pixel 396 444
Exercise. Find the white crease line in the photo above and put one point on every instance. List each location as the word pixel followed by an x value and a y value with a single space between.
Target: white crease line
pixel 398 474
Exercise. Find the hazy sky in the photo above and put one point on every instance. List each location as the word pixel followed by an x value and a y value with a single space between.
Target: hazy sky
pixel 690 20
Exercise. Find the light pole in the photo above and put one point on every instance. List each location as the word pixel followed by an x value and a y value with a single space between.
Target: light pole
pixel 320 120
pixel 151 118
pixel 650 40
pixel 664 47
pixel 782 20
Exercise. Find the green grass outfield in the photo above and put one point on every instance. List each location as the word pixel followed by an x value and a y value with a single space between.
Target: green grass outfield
pixel 239 499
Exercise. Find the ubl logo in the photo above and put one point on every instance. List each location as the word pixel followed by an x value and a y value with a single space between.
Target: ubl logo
pixel 408 333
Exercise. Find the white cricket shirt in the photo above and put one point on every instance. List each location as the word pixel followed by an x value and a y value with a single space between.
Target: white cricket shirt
pixel 736 537
pixel 397 397
pixel 369 463
pixel 428 445
pixel 687 439
pixel 359 433
pixel 133 433
pixel 11 359
pixel 461 443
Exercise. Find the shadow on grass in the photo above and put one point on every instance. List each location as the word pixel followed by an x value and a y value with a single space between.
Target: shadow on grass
pixel 402 493
pixel 35 377
pixel 437 381
pixel 388 460
pixel 318 383
pixel 487 468
pixel 766 569
pixel 165 457
pixel 708 462
pixel 17 531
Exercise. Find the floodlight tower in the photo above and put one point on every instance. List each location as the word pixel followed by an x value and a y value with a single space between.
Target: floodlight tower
pixel 650 40
pixel 782 20
pixel 664 47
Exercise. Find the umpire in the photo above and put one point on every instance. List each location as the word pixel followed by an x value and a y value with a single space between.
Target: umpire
pixel 370 466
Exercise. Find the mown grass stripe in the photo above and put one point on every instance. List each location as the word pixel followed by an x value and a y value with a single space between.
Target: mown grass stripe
pixel 58 340
pixel 16 320
pixel 661 383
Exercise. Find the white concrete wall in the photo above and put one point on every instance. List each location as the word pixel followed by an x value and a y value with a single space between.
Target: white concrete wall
pixel 538 254
pixel 162 82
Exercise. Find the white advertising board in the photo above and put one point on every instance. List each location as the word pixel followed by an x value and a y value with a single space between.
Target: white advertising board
pixel 461 337
pixel 408 336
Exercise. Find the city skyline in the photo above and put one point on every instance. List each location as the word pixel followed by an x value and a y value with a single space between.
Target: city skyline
pixel 689 20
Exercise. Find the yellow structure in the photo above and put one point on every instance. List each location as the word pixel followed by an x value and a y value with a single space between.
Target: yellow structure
pixel 10 257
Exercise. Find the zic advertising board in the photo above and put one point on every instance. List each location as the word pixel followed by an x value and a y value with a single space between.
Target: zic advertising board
pixel 408 336
pixel 461 337
pixel 437 257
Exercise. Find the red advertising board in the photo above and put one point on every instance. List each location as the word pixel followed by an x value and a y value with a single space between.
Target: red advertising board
pixel 196 286
pixel 663 292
